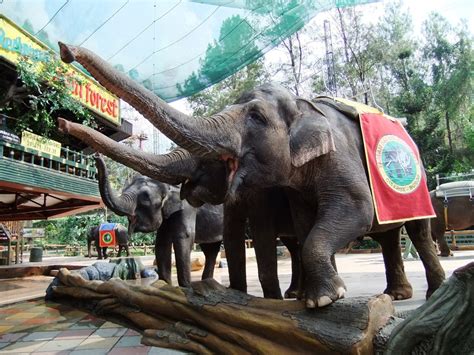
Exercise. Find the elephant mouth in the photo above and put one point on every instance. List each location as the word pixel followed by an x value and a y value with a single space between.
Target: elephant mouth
pixel 232 167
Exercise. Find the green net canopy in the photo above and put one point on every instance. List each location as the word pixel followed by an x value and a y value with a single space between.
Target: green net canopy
pixel 174 48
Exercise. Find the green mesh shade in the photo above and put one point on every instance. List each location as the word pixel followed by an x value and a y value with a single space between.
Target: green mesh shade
pixel 175 48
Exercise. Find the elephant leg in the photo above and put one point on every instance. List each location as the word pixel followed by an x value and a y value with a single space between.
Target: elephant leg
pixel 104 252
pixel 264 242
pixel 437 232
pixel 303 219
pixel 163 258
pixel 210 251
pixel 420 234
pixel 99 251
pixel 182 252
pixel 398 286
pixel 234 244
pixel 330 233
pixel 127 250
pixel 119 252
pixel 443 246
pixel 291 244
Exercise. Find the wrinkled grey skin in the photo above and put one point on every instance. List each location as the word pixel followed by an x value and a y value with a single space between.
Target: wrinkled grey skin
pixel 269 216
pixel 121 234
pixel 205 181
pixel 460 217
pixel 270 138
pixel 152 206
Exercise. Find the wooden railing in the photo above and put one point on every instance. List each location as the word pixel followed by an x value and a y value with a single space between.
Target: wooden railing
pixel 70 161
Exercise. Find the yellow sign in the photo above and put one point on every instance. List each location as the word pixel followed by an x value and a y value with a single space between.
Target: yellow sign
pixel 33 141
pixel 15 42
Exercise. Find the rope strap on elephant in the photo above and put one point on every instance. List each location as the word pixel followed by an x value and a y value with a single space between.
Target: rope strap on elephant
pixel 452 190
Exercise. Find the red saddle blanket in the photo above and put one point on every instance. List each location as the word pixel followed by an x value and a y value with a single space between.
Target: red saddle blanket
pixel 396 175
pixel 107 235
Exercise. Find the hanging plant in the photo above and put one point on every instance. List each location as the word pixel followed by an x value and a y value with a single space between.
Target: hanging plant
pixel 41 92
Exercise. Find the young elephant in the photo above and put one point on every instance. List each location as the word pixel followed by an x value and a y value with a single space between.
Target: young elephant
pixel 205 181
pixel 122 240
pixel 271 139
pixel 152 206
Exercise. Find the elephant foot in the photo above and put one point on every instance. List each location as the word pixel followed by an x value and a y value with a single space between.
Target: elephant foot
pixel 292 293
pixel 430 291
pixel 324 293
pixel 274 294
pixel 400 292
pixel 446 254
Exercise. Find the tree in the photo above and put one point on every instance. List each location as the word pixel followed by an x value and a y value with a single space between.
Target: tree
pixel 40 93
pixel 428 80
pixel 215 98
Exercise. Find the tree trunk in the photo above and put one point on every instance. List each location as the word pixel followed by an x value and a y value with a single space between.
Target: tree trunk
pixel 448 131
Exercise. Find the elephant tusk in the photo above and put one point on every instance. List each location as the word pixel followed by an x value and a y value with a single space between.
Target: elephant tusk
pixel 233 167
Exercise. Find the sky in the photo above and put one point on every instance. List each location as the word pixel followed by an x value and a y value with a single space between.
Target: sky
pixel 454 11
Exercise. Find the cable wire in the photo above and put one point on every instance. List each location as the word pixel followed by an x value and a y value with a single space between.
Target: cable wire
pixel 52 18
pixel 146 28
pixel 220 40
pixel 181 38
pixel 262 50
pixel 231 54
pixel 98 28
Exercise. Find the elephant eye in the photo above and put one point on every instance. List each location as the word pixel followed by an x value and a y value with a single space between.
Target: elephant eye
pixel 257 117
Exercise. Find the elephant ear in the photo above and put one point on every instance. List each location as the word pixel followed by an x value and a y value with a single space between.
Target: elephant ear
pixel 310 134
pixel 171 204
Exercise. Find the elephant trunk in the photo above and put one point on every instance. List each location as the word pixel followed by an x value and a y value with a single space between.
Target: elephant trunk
pixel 172 168
pixel 206 136
pixel 122 205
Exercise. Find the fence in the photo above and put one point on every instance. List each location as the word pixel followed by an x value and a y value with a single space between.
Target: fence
pixel 70 161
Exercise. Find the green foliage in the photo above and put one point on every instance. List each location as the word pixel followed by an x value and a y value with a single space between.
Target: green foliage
pixel 72 230
pixel 48 88
pixel 215 98
pixel 366 244
pixel 235 37
pixel 426 79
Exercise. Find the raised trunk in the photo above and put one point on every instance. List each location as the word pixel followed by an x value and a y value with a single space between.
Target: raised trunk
pixel 121 205
pixel 199 136
pixel 171 168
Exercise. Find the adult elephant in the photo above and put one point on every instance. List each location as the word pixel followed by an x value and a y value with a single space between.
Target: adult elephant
pixel 153 206
pixel 270 138
pixel 122 240
pixel 453 203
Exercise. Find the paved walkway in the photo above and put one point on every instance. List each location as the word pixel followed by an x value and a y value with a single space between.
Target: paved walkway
pixel 38 327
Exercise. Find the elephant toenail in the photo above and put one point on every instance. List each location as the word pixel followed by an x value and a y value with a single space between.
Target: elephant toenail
pixel 310 304
pixel 324 301
pixel 340 292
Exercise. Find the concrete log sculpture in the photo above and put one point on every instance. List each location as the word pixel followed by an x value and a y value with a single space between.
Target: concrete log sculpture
pixel 442 325
pixel 208 318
